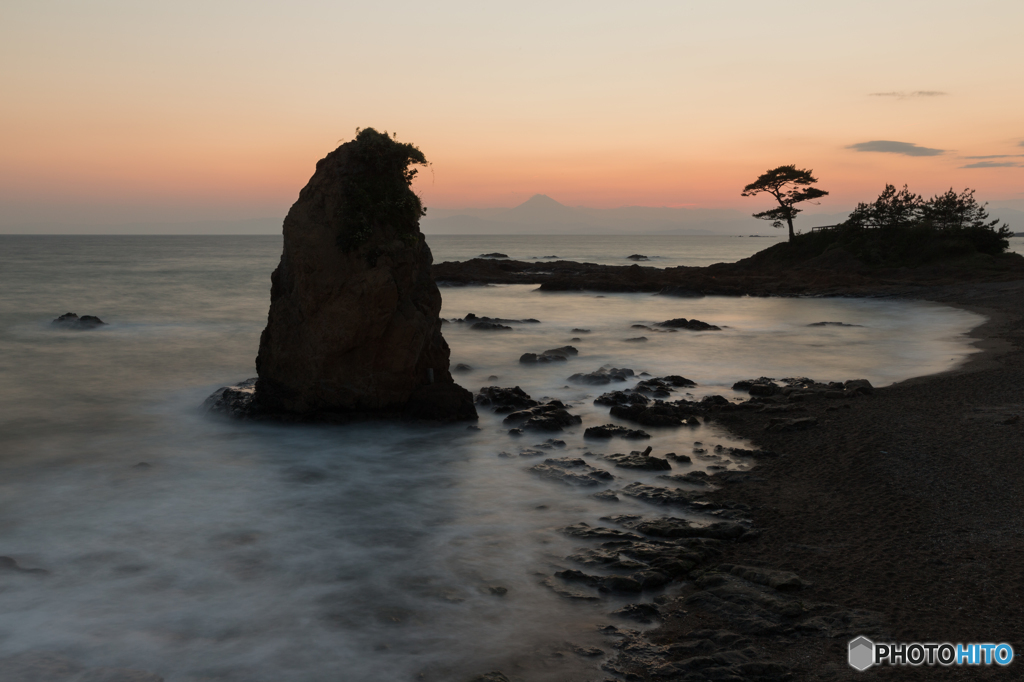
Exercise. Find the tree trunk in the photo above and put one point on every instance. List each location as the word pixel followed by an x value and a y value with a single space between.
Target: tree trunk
pixel 790 221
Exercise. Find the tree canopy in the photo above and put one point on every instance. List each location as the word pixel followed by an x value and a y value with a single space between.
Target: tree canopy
pixel 789 186
pixel 379 193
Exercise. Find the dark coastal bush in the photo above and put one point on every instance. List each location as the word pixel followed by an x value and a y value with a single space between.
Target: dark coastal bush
pixel 379 193
pixel 902 229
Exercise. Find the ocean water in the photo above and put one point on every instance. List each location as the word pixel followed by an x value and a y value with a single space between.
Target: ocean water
pixel 203 549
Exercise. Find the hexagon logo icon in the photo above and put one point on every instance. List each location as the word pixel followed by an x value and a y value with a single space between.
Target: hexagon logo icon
pixel 862 653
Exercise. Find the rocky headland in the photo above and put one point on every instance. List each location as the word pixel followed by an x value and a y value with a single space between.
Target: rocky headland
pixel 767 273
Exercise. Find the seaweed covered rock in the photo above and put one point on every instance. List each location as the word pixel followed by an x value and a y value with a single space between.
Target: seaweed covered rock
pixel 354 325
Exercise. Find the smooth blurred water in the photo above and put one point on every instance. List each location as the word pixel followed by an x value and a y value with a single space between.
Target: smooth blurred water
pixel 265 553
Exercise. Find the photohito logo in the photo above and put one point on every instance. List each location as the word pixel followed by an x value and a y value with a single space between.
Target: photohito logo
pixel 863 653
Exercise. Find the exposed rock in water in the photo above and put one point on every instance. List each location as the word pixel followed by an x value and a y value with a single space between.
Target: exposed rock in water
pixel 657 413
pixel 683 323
pixel 533 358
pixel 474 320
pixel 505 399
pixel 626 397
pixel 639 460
pixel 490 326
pixel 571 471
pixel 602 376
pixel 354 330
pixel 72 321
pixel 833 324
pixel 609 430
pixel 637 256
pixel 233 401
pixel 493 255
pixel 551 416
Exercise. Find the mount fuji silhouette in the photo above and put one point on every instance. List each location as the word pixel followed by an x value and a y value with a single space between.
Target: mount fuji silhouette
pixel 540 214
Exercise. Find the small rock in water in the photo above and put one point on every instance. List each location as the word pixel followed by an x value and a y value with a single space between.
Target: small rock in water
pixel 462 367
pixel 505 399
pixel 72 321
pixel 232 401
pixel 490 326
pixel 637 256
pixel 637 339
pixel 533 358
pixel 640 460
pixel 551 416
pixel 564 351
pixel 609 430
pixel 577 330
pixel 493 255
pixel 602 376
pixel 833 324
pixel 498 591
pixel 683 323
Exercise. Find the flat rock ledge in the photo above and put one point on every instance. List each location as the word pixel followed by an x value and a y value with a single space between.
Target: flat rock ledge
pixel 439 403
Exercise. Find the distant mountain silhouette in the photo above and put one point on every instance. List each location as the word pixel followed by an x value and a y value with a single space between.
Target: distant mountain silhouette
pixel 540 214
pixel 540 208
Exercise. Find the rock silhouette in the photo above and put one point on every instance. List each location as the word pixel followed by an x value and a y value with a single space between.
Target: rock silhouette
pixel 354 326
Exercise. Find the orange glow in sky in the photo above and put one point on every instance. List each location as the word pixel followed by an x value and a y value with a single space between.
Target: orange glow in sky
pixel 154 112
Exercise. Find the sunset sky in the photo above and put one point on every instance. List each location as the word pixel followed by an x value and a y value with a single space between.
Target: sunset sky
pixel 117 112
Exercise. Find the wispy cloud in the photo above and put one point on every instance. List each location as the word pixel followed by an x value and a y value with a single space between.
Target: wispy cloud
pixel 900 94
pixel 995 156
pixel 993 164
pixel 892 147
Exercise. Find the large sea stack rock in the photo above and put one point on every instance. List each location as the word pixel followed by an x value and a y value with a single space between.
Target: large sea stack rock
pixel 354 326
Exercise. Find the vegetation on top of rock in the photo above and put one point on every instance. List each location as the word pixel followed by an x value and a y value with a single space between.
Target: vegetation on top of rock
pixel 379 192
pixel 898 229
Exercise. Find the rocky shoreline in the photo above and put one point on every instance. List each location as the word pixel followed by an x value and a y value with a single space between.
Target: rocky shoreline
pixel 833 273
pixel 891 513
